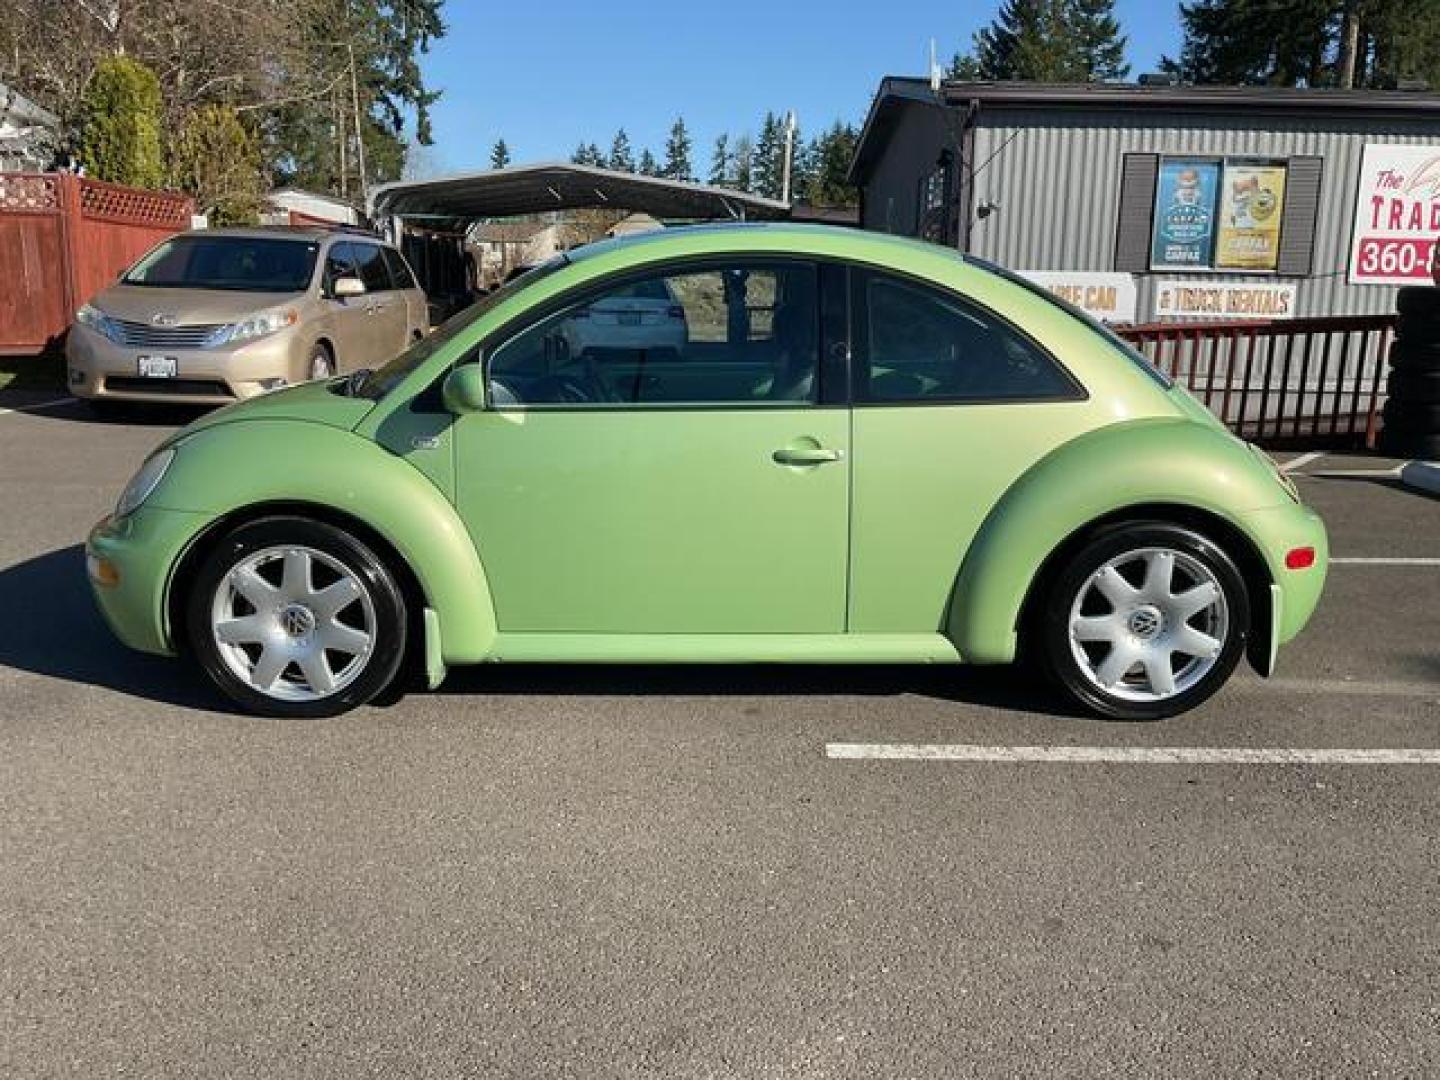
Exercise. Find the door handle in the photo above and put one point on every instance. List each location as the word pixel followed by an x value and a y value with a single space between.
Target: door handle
pixel 806 455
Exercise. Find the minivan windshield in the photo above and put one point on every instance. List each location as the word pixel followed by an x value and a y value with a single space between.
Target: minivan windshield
pixel 244 263
pixel 380 382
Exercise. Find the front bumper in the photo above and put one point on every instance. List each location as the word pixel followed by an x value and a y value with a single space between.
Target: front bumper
pixel 129 561
pixel 98 368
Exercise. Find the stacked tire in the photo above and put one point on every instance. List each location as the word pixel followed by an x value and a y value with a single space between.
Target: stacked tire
pixel 1412 406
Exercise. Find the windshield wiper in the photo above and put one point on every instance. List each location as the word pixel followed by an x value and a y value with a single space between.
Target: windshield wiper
pixel 356 379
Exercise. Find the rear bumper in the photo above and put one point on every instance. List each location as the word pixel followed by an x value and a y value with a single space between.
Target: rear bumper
pixel 1294 594
pixel 97 368
pixel 129 561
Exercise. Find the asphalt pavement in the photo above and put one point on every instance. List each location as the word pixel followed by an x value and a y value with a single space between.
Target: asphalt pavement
pixel 659 872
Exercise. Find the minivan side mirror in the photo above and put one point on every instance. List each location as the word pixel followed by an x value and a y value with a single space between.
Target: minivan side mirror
pixel 348 286
pixel 463 390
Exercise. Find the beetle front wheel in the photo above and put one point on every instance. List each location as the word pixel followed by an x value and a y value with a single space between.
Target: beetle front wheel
pixel 1146 621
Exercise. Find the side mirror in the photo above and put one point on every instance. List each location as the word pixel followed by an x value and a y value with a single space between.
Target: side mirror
pixel 463 390
pixel 347 286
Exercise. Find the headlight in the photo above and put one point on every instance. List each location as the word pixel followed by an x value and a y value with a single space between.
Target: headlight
pixel 256 326
pixel 144 482
pixel 98 321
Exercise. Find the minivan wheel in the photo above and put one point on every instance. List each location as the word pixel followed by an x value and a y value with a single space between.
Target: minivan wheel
pixel 293 617
pixel 1145 621
pixel 322 364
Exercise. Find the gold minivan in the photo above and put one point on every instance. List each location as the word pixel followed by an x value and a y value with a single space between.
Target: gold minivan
pixel 215 315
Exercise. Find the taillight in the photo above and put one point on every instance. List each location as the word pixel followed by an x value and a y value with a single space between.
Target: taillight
pixel 1301 558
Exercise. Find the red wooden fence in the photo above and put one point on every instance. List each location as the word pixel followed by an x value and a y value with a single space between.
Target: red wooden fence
pixel 63 238
pixel 1311 380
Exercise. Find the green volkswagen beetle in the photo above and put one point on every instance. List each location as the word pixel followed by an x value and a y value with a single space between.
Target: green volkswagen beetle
pixel 730 444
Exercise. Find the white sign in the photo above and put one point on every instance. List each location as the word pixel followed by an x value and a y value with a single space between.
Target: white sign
pixel 1108 297
pixel 1223 300
pixel 1397 215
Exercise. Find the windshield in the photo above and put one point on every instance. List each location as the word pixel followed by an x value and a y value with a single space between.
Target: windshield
pixel 382 381
pixel 1120 344
pixel 244 263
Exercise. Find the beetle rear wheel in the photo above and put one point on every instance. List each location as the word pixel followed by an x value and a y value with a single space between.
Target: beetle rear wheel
pixel 1146 621
pixel 293 617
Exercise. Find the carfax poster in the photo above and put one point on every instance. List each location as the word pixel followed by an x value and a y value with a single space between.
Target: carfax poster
pixel 1252 202
pixel 1184 229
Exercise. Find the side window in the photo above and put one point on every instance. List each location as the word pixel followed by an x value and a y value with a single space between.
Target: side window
pixel 922 345
pixel 400 274
pixel 370 262
pixel 338 264
pixel 742 334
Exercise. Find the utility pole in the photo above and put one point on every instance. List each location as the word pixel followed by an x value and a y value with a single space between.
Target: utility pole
pixel 1349 45
pixel 789 156
pixel 359 135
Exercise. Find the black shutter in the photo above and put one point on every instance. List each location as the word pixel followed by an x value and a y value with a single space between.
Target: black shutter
pixel 1302 208
pixel 1138 174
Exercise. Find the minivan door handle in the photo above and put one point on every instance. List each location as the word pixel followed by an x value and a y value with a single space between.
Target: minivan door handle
pixel 806 455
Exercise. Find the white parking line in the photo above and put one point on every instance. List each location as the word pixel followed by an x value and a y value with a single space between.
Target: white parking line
pixel 1385 561
pixel 1126 755
pixel 1301 461
pixel 1354 474
pixel 38 407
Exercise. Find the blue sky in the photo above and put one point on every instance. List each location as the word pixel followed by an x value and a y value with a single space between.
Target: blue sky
pixel 546 75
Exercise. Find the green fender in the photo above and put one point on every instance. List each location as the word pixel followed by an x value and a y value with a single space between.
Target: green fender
pixel 227 467
pixel 1104 471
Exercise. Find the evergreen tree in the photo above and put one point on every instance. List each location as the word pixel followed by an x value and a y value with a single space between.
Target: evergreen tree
pixel 1047 41
pixel 648 165
pixel 829 184
pixel 720 160
pixel 120 120
pixel 769 157
pixel 742 177
pixel 622 157
pixel 677 152
pixel 499 155
pixel 216 158
pixel 588 154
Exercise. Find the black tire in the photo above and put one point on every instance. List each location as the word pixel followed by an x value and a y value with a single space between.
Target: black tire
pixel 1405 384
pixel 1418 416
pixel 1076 576
pixel 1414 356
pixel 1418 329
pixel 1405 443
pixel 1418 300
pixel 378 669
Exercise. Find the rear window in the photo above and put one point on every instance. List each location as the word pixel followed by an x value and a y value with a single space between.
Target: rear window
pixel 1123 347
pixel 245 263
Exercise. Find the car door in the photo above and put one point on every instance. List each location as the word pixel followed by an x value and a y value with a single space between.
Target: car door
pixel 659 484
pixel 952 405
pixel 387 331
pixel 347 317
pixel 417 315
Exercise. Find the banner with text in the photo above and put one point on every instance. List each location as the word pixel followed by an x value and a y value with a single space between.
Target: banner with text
pixel 1397 215
pixel 1227 300
pixel 1252 198
pixel 1111 298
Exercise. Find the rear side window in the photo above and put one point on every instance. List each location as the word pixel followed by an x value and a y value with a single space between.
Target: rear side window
pixel 370 263
pixel 924 346
pixel 400 274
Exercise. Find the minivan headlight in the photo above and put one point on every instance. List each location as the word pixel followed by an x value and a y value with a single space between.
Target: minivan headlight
pixel 98 321
pixel 143 484
pixel 258 326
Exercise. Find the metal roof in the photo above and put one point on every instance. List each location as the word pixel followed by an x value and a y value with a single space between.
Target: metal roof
pixel 897 93
pixel 532 189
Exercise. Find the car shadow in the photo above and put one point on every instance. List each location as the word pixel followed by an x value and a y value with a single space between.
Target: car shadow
pixel 55 629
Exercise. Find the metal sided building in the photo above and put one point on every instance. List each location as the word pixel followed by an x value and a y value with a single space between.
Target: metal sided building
pixel 1165 202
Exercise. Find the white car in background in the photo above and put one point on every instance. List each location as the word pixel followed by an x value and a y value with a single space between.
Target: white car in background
pixel 644 316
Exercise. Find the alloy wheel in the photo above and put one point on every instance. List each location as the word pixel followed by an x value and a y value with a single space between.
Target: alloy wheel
pixel 1148 624
pixel 293 623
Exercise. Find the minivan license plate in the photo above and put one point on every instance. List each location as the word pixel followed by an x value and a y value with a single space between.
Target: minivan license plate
pixel 159 367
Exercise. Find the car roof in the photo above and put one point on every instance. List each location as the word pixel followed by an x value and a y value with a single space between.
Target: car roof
pixel 290 232
pixel 800 238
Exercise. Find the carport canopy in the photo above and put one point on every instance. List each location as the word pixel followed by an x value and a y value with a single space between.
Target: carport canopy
pixel 531 189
